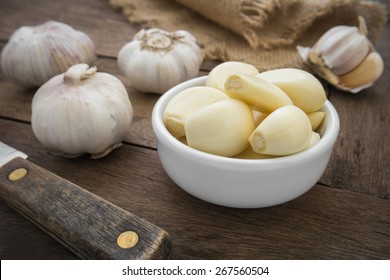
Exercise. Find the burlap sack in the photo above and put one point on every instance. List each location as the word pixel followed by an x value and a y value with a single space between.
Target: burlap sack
pixel 264 33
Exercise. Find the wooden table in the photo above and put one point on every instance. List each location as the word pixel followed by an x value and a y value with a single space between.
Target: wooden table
pixel 346 215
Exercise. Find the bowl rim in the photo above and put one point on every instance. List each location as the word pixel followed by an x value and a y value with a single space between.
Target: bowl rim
pixel 161 132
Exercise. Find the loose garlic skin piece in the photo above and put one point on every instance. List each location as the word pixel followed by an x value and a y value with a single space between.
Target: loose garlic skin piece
pixel 34 54
pixel 186 103
pixel 218 75
pixel 256 92
pixel 221 128
pixel 285 131
pixel 305 90
pixel 81 111
pixel 156 60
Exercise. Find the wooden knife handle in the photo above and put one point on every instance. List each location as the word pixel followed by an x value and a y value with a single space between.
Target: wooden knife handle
pixel 88 225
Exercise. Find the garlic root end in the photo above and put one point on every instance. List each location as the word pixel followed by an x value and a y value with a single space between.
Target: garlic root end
pixel 106 152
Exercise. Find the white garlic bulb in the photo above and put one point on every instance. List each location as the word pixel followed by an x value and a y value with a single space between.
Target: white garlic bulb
pixel 156 60
pixel 81 111
pixel 345 58
pixel 34 54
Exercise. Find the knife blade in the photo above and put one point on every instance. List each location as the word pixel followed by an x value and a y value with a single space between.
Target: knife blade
pixel 86 224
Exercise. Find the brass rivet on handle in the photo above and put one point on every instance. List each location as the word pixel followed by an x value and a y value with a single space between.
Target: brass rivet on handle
pixel 17 174
pixel 127 239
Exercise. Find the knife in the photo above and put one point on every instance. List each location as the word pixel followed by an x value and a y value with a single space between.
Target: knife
pixel 89 226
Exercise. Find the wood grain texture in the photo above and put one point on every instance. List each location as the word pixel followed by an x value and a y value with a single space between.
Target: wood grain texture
pixel 345 216
pixel 361 160
pixel 83 222
pixel 89 16
pixel 325 223
pixel 15 103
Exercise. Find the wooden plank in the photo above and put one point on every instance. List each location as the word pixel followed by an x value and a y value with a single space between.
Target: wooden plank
pixel 325 223
pixel 107 27
pixel 15 103
pixel 353 166
pixel 361 161
pixel 35 245
pixel 83 222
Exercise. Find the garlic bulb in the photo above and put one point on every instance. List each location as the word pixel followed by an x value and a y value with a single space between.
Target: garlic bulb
pixel 81 111
pixel 156 60
pixel 345 58
pixel 34 54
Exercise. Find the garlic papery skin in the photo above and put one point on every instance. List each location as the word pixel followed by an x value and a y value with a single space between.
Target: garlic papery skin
pixel 342 50
pixel 285 131
pixel 365 74
pixel 34 54
pixel 81 111
pixel 156 60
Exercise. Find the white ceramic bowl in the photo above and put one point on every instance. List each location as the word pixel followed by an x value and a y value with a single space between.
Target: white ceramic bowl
pixel 242 183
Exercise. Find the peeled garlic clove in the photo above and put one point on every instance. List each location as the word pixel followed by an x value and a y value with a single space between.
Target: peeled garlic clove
pixel 315 137
pixel 156 60
pixel 183 140
pixel 364 75
pixel 221 128
pixel 285 131
pixel 257 92
pixel 218 75
pixel 316 119
pixel 34 54
pixel 81 111
pixel 248 153
pixel 186 103
pixel 258 116
pixel 305 90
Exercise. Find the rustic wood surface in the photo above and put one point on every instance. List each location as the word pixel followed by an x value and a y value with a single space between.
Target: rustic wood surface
pixel 346 215
pixel 86 224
